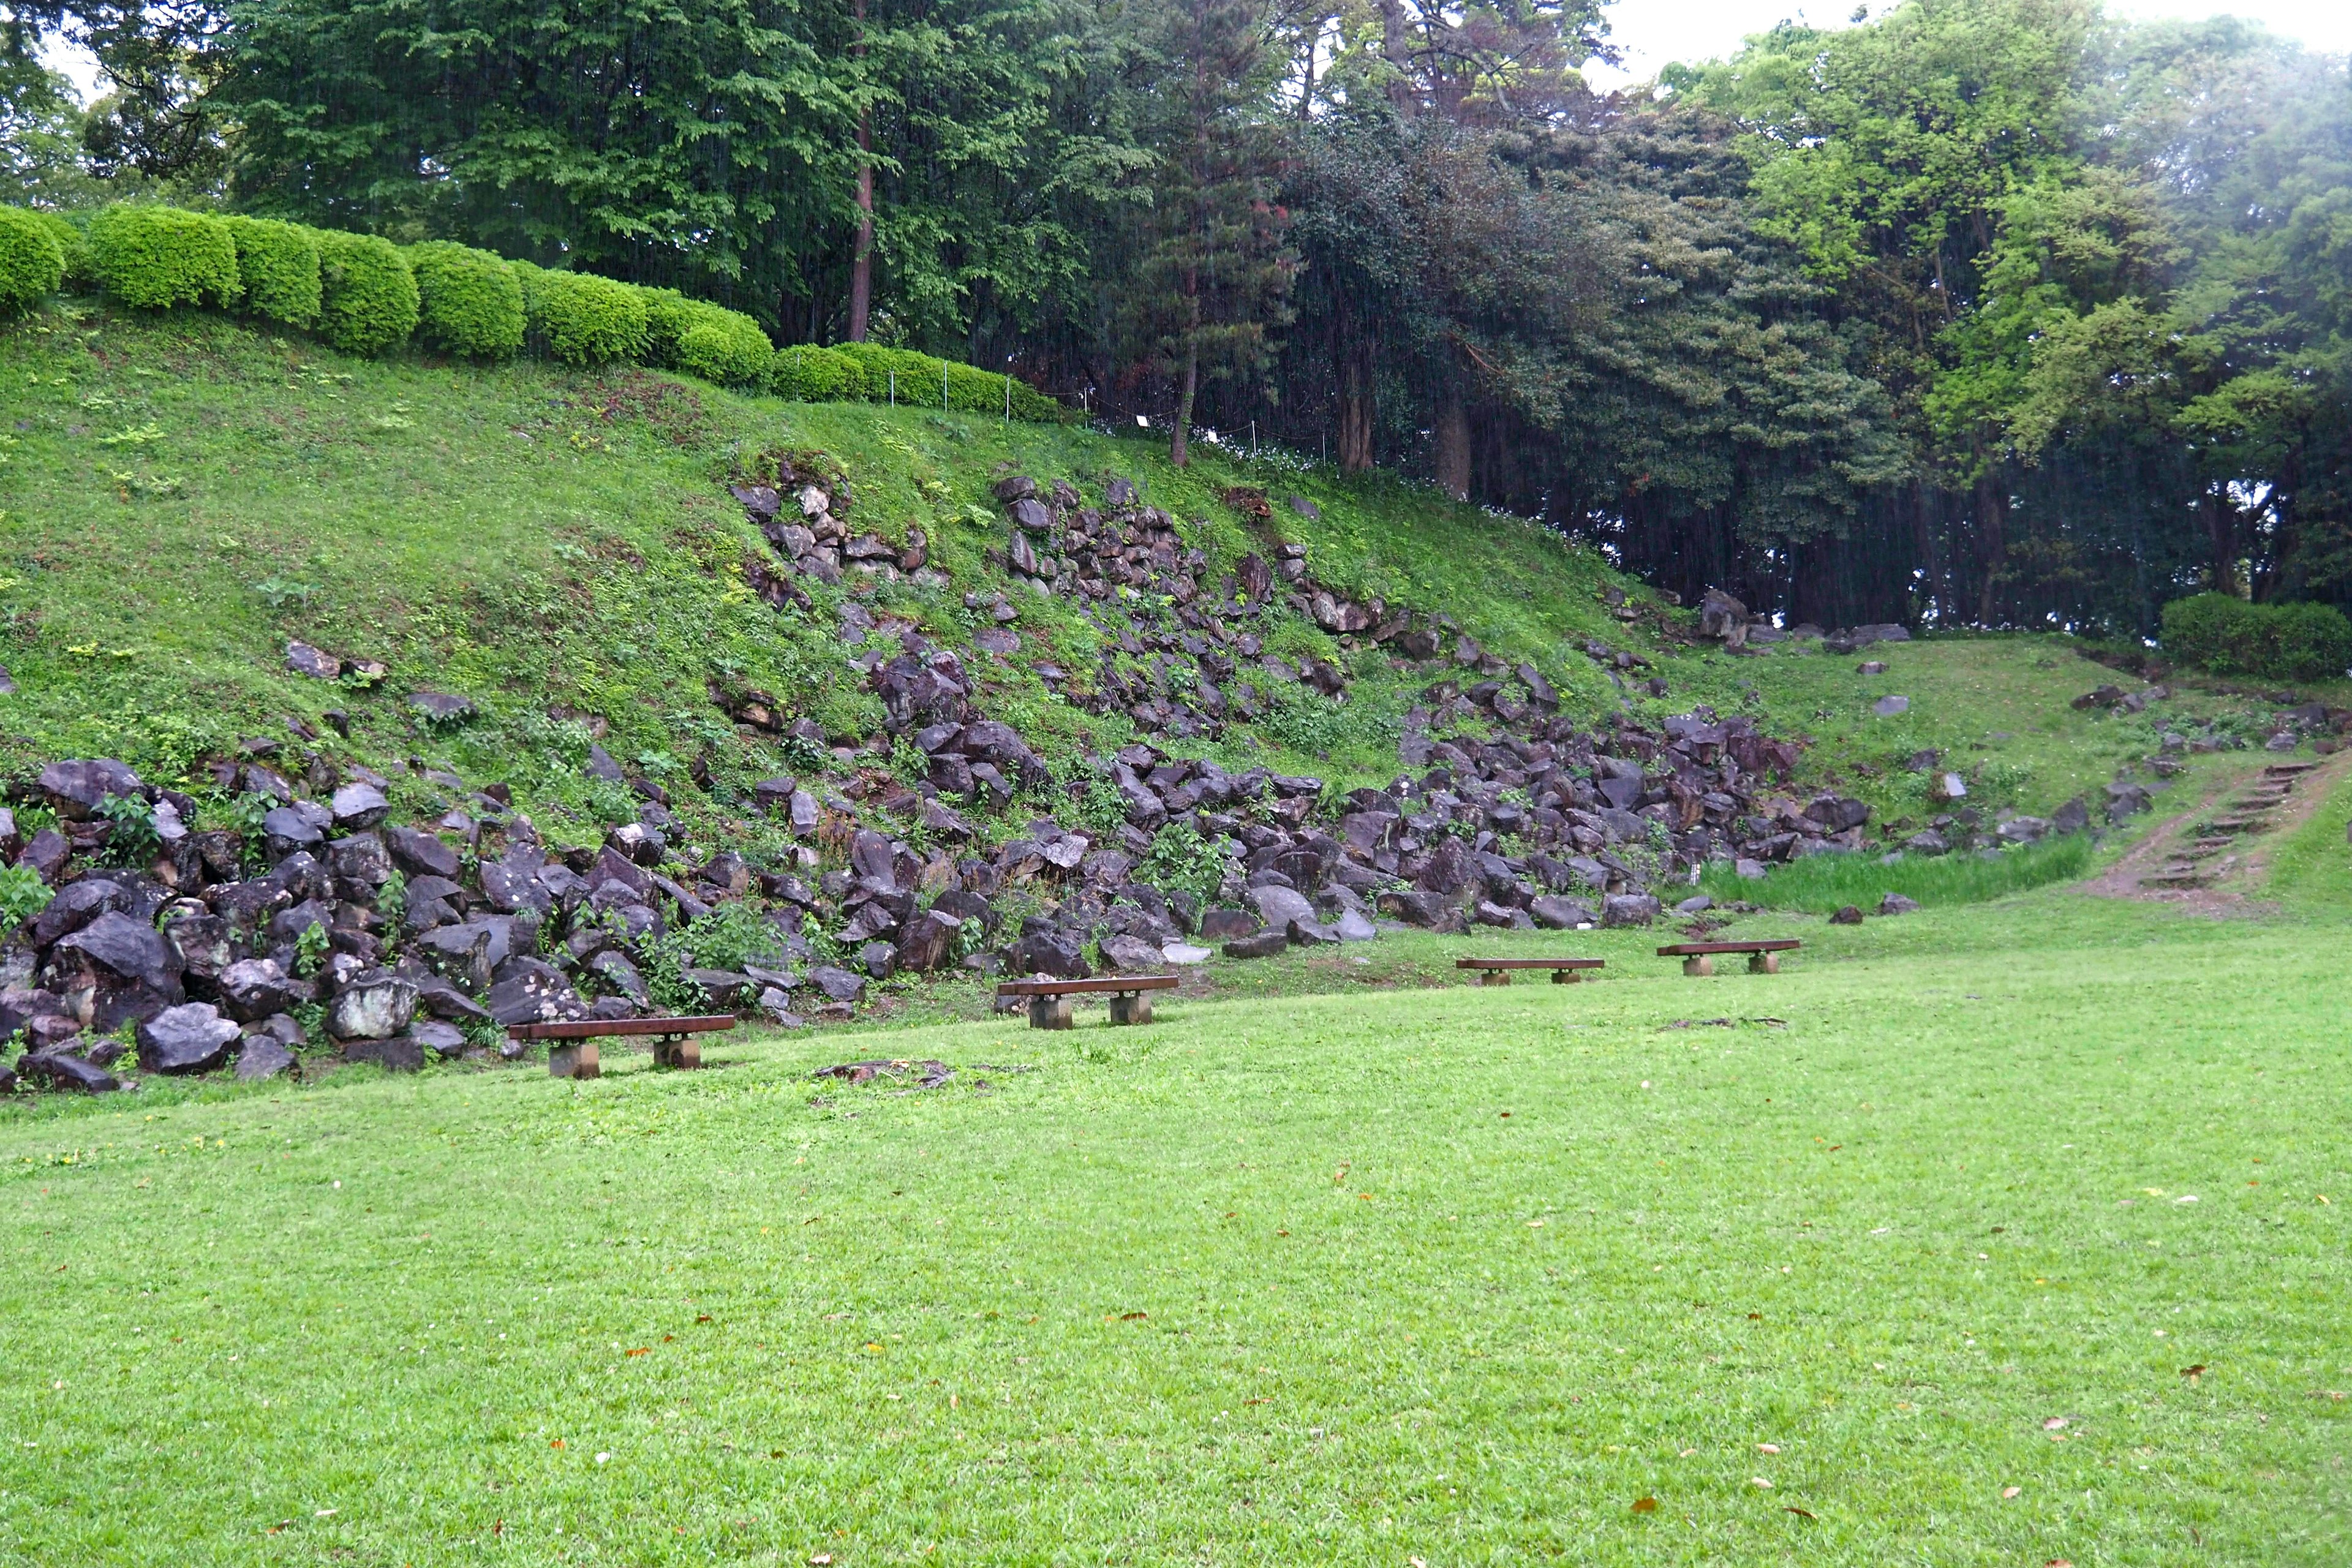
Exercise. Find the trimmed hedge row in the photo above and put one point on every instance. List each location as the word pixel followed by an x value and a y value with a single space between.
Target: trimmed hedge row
pixel 2276 642
pixel 364 295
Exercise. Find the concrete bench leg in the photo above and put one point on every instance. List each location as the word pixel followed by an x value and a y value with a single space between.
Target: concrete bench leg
pixel 1131 1007
pixel 683 1054
pixel 1049 1013
pixel 1494 977
pixel 1566 977
pixel 575 1058
pixel 1763 964
pixel 1699 964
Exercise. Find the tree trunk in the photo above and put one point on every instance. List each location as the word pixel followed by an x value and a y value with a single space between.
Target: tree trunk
pixel 1453 442
pixel 1395 51
pixel 1356 408
pixel 1180 444
pixel 1992 541
pixel 2221 543
pixel 861 264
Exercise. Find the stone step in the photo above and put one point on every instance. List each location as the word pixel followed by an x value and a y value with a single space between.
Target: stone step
pixel 2287 770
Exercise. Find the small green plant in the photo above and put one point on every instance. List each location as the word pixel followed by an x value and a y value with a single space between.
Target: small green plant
pixel 1181 858
pixel 731 935
pixel 663 961
pixel 23 895
pixel 909 761
pixel 392 899
pixel 130 838
pixel 312 1016
pixel 285 594
pixel 310 951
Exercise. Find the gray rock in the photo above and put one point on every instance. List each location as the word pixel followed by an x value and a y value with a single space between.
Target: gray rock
pixel 1228 924
pixel 1279 906
pixel 375 1006
pixel 1265 944
pixel 1748 870
pixel 532 991
pixel 262 1056
pixel 253 988
pixel 1130 954
pixel 1553 912
pixel 2124 799
pixel 1628 910
pixel 316 663
pixel 2072 818
pixel 1849 915
pixel 1049 952
pixel 838 984
pixel 401 1053
pixel 2024 830
pixel 1695 906
pixel 1354 925
pixel 444 1040
pixel 75 906
pixel 128 948
pixel 78 788
pixel 1185 952
pixel 1896 904
pixel 192 1038
pixel 358 807
pixel 460 954
pixel 1888 707
pixel 1927 841
pixel 620 976
pixel 63 1069
pixel 422 853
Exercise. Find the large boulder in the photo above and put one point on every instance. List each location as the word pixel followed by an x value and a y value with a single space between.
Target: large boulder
pixel 76 789
pixel 253 989
pixel 422 853
pixel 1278 906
pixel 1054 954
pixel 838 984
pixel 373 1005
pixel 1628 910
pixel 1130 954
pixel 929 941
pixel 532 991
pixel 192 1038
pixel 63 1069
pixel 1553 912
pixel 114 970
pixel 358 807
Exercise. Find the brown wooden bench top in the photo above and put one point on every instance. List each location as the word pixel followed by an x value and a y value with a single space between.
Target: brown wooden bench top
pixel 1108 984
pixel 1698 948
pixel 1528 963
pixel 597 1028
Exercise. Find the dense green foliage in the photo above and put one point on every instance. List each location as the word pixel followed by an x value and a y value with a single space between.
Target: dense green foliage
pixel 706 339
pixel 2281 642
pixel 584 319
pixel 277 265
pixel 32 263
pixel 811 374
pixel 367 294
pixel 153 257
pixel 468 302
pixel 1995 312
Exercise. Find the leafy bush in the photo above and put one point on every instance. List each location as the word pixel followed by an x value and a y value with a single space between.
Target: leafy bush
pixel 277 264
pixel 734 934
pixel 706 339
pixel 368 294
pixel 73 243
pixel 153 258
pixel 1181 858
pixel 920 379
pixel 468 302
pixel 23 895
pixel 811 374
pixel 2276 642
pixel 32 262
pixel 584 319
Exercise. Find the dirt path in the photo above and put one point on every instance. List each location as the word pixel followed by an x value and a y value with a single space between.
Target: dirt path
pixel 2237 876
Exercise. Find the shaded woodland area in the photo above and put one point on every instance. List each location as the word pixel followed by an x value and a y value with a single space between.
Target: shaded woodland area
pixel 1976 312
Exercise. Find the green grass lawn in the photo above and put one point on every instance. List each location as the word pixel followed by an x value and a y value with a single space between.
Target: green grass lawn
pixel 1276 1280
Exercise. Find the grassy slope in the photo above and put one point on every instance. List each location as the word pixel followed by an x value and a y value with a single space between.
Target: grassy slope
pixel 1891 1238
pixel 182 495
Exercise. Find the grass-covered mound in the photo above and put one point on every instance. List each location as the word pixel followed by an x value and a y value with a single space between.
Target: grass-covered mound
pixel 2024 1240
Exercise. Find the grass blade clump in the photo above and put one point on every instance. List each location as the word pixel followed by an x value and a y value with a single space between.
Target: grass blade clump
pixel 1822 884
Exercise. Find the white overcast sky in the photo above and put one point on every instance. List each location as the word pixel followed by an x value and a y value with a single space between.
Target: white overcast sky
pixel 1656 33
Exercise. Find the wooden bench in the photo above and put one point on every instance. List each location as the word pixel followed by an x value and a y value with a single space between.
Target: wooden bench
pixel 1763 957
pixel 1049 1000
pixel 674 1041
pixel 1497 971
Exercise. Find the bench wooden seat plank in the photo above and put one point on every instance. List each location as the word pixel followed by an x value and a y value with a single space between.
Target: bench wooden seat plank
pixel 575 1056
pixel 1049 1000
pixel 1497 971
pixel 1763 954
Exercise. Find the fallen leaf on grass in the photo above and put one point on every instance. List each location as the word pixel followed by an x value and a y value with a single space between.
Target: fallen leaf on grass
pixel 1131 1316
pixel 2054 1423
pixel 1768 1448
pixel 1760 1481
pixel 1791 1508
pixel 2193 1373
pixel 557 1443
pixel 642 1350
pixel 2325 1394
pixel 2057 1562
pixel 2008 1492
pixel 702 1317
pixel 1645 1505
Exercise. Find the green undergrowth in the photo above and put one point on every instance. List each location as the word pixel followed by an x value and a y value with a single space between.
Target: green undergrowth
pixel 180 495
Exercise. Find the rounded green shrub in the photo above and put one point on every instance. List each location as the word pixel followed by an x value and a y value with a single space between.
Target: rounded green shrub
pixel 367 294
pixel 73 243
pixel 470 300
pixel 706 339
pixel 584 319
pixel 277 263
pixel 2276 642
pixel 153 257
pixel 31 262
pixel 807 373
